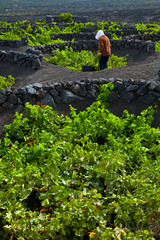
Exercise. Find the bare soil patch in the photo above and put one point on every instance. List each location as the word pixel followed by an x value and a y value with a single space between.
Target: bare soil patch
pixel 140 65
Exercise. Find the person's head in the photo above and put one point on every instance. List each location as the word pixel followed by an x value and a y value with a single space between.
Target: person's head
pixel 99 34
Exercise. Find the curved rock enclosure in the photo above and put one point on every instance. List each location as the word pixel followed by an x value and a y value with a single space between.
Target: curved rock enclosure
pixel 68 92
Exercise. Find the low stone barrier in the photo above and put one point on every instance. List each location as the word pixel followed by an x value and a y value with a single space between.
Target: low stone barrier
pixel 147 37
pixel 90 35
pixel 10 43
pixel 92 45
pixel 78 36
pixel 32 58
pixel 84 89
pixel 14 43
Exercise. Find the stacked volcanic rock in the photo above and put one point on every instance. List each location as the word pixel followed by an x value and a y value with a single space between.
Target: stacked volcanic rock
pixel 51 94
pixel 147 37
pixel 92 45
pixel 126 43
pixel 32 58
pixel 10 43
pixel 78 36
pixel 14 43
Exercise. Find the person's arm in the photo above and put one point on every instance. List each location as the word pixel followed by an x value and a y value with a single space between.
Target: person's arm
pixel 100 45
pixel 108 47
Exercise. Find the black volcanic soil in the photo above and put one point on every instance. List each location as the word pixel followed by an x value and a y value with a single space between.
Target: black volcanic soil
pixel 100 13
pixel 140 65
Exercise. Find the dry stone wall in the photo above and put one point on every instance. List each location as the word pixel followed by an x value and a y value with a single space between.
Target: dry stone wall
pixel 154 37
pixel 68 92
pixel 92 45
pixel 14 43
pixel 32 58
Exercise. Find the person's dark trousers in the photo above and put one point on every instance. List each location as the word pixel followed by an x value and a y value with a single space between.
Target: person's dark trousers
pixel 103 62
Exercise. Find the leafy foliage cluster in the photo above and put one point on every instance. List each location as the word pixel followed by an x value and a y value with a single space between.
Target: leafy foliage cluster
pixel 149 28
pixel 75 60
pixel 36 38
pixel 66 17
pixel 157 46
pixel 110 26
pixel 89 176
pixel 6 82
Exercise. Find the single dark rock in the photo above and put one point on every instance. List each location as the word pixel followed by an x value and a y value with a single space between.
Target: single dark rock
pixel 142 90
pixel 12 99
pixel 37 52
pixel 48 100
pixel 75 88
pixel 69 83
pixel 95 81
pixel 46 87
pixel 154 85
pixel 82 83
pixel 29 49
pixel 3 98
pixel 131 88
pixel 93 88
pixel 112 80
pixel 69 97
pixel 147 99
pixel 58 99
pixel 127 96
pixel 37 86
pixel 102 80
pixel 131 81
pixel 22 91
pixel 112 97
pixel 83 91
pixel 151 47
pixel 53 92
pixel 41 93
pixel 142 82
pixel 31 90
pixel 88 81
pixel 90 95
pixel 58 86
pixel 118 86
pixel 27 98
pixel 36 64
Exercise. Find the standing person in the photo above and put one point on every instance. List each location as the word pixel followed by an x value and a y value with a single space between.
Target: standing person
pixel 104 46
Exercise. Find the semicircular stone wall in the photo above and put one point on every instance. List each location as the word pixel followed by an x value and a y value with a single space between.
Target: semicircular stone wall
pixel 127 91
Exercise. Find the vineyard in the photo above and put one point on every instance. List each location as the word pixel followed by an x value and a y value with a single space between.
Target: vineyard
pixel 66 35
pixel 92 176
pixel 88 175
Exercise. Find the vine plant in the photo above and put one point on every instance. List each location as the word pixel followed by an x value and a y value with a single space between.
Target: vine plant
pixel 89 176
